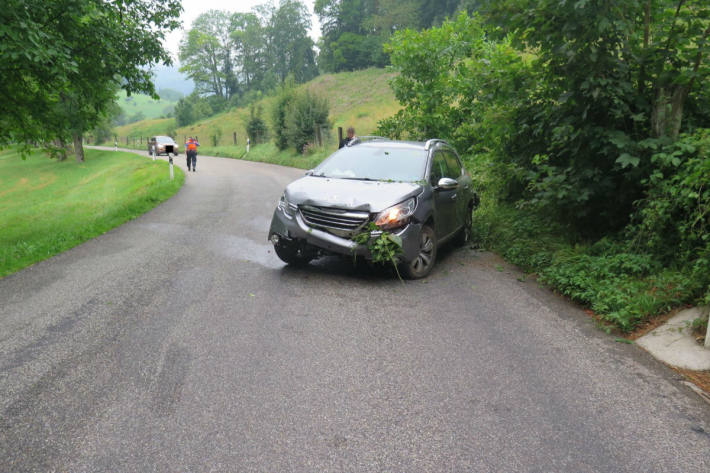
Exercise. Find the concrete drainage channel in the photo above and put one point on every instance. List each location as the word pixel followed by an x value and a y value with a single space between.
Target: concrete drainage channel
pixel 674 344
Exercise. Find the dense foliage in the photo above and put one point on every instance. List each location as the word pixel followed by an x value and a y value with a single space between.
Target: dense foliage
pixel 63 61
pixel 588 118
pixel 615 80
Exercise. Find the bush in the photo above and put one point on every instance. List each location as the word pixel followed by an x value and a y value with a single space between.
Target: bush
pixel 278 114
pixel 193 108
pixel 256 128
pixel 306 113
pixel 620 284
pixel 216 136
pixel 672 221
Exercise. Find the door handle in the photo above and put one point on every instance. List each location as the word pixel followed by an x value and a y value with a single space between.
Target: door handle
pixel 453 197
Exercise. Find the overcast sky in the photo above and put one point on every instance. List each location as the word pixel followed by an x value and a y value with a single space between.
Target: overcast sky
pixel 193 8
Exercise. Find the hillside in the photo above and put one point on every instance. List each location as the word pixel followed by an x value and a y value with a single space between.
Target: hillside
pixel 359 99
pixel 144 104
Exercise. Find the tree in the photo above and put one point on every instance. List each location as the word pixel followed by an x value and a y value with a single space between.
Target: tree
pixel 353 31
pixel 63 60
pixel 249 43
pixel 205 54
pixel 455 84
pixel 231 55
pixel 289 44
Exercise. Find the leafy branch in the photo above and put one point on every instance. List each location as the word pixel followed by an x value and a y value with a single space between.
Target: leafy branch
pixel 385 248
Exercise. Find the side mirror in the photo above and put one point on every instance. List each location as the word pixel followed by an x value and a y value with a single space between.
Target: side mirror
pixel 309 172
pixel 447 184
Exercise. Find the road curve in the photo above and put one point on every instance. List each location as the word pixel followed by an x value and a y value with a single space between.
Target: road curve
pixel 179 342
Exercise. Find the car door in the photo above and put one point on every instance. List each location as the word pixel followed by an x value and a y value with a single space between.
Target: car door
pixel 457 172
pixel 445 200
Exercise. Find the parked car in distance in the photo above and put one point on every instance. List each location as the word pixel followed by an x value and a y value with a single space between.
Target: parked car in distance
pixel 163 145
pixel 419 191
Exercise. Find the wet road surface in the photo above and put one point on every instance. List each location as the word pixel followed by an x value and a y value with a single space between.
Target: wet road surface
pixel 179 342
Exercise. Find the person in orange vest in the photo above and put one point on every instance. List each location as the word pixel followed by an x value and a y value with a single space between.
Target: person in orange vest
pixel 191 153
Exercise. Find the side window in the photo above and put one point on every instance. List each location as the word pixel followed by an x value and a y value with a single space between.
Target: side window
pixel 453 164
pixel 438 168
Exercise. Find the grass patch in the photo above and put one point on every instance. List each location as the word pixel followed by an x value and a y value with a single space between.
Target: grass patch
pixel 48 206
pixel 269 153
pixel 621 286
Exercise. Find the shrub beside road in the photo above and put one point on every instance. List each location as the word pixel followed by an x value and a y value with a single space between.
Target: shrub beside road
pixel 48 207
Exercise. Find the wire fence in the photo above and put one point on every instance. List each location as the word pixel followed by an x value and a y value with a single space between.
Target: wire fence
pixel 322 137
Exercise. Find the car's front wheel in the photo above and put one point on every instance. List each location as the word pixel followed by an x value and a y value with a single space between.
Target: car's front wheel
pixel 423 262
pixel 292 253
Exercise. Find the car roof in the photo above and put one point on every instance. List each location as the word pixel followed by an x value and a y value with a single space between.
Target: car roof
pixel 391 144
pixel 379 142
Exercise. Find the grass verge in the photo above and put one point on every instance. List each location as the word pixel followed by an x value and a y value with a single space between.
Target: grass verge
pixel 622 287
pixel 269 153
pixel 48 206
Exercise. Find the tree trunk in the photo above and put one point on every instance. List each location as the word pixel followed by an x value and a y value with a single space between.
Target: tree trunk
pixel 61 149
pixel 667 113
pixel 79 147
pixel 646 33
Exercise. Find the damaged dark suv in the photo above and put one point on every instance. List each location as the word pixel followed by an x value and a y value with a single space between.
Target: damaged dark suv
pixel 419 191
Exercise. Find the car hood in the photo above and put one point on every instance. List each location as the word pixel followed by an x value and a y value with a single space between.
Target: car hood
pixel 350 194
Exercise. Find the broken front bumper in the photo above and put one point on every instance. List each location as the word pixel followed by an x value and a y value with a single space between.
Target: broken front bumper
pixel 294 229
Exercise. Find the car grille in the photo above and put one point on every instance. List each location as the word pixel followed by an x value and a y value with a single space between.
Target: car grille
pixel 337 221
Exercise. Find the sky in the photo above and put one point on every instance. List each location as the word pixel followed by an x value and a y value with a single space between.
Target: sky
pixel 193 8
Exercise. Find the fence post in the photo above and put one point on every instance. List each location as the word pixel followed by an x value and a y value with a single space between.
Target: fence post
pixel 340 135
pixel 235 138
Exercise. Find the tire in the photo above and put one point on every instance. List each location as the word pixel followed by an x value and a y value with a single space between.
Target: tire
pixel 464 235
pixel 423 263
pixel 292 254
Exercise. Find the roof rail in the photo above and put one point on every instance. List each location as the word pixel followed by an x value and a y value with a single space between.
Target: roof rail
pixel 432 142
pixel 362 139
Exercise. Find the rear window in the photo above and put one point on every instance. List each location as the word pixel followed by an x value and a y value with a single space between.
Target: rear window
pixel 375 163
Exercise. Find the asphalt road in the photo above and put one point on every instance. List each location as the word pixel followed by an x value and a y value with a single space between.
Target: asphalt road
pixel 179 342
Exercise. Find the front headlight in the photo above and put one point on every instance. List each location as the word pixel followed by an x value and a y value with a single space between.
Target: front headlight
pixel 285 206
pixel 397 215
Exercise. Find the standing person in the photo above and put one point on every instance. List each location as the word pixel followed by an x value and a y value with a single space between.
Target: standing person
pixel 187 152
pixel 191 153
pixel 350 136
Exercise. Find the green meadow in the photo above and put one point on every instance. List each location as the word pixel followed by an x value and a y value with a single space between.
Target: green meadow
pixel 50 206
